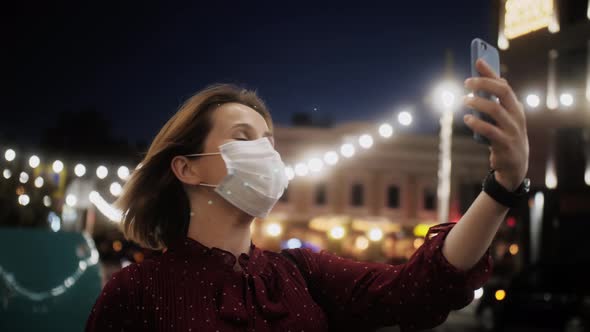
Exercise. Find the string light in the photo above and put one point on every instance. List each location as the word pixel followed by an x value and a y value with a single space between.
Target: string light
pixel 24 199
pixel 80 170
pixel 54 221
pixel 105 208
pixel 385 130
pixel 123 173
pixel 58 166
pixel 9 155
pixel 331 158
pixel 39 182
pixel 347 150
pixel 71 200
pixel 366 141
pixel 116 189
pixel 315 164
pixel 34 161
pixel 15 287
pixel 23 178
pixel 301 169
pixel 102 172
pixel 404 118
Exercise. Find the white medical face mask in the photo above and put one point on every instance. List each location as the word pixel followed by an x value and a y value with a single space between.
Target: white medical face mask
pixel 256 177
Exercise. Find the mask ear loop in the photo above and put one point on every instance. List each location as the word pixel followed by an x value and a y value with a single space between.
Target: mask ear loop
pixel 202 154
pixel 191 213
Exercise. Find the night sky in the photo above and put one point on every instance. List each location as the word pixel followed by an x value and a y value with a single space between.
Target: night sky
pixel 136 62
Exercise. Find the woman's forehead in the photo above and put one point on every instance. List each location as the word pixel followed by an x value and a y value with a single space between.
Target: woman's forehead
pixel 231 115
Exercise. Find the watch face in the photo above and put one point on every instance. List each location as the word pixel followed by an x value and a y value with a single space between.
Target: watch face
pixel 527 185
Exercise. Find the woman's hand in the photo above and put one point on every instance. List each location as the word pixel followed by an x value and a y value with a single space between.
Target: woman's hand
pixel 509 149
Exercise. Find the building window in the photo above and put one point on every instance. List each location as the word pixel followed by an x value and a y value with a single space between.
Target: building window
pixel 393 196
pixel 356 198
pixel 320 194
pixel 285 197
pixel 429 199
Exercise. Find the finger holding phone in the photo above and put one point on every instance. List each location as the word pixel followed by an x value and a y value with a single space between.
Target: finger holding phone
pixel 498 117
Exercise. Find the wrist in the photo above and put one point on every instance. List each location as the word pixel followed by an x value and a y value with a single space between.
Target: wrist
pixel 506 193
pixel 508 185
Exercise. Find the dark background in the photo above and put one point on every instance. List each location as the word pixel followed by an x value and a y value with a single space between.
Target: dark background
pixel 133 63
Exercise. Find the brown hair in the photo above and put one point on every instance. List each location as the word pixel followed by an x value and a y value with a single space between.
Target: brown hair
pixel 154 204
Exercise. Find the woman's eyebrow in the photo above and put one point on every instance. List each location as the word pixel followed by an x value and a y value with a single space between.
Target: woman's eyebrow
pixel 249 127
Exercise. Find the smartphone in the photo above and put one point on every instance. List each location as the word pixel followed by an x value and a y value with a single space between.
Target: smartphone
pixel 482 50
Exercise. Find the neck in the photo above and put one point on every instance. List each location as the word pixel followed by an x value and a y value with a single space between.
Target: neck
pixel 219 224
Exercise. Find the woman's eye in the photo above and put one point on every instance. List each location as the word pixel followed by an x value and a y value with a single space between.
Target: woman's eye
pixel 240 139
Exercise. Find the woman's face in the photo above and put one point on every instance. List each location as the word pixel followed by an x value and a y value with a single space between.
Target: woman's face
pixel 231 122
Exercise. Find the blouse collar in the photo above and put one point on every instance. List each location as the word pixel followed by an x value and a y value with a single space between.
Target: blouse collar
pixel 196 250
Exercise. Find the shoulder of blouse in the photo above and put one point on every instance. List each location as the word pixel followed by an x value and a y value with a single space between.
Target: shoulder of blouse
pixel 130 277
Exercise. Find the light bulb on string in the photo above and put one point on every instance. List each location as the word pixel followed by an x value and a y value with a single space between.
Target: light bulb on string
pixel 80 170
pixel 123 173
pixel 34 161
pixel 9 155
pixel 23 178
pixel 385 130
pixel 58 166
pixel 347 150
pixel 102 172
pixel 39 182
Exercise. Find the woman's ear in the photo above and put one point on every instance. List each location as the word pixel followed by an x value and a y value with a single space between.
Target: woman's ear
pixel 185 171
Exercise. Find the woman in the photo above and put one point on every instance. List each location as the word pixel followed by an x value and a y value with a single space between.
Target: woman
pixel 213 168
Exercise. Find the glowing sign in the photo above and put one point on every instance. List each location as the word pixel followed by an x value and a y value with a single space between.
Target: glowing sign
pixel 524 16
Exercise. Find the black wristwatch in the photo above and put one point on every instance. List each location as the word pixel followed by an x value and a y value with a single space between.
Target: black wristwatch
pixel 504 196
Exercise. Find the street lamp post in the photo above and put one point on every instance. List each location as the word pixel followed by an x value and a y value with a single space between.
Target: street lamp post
pixel 446 99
